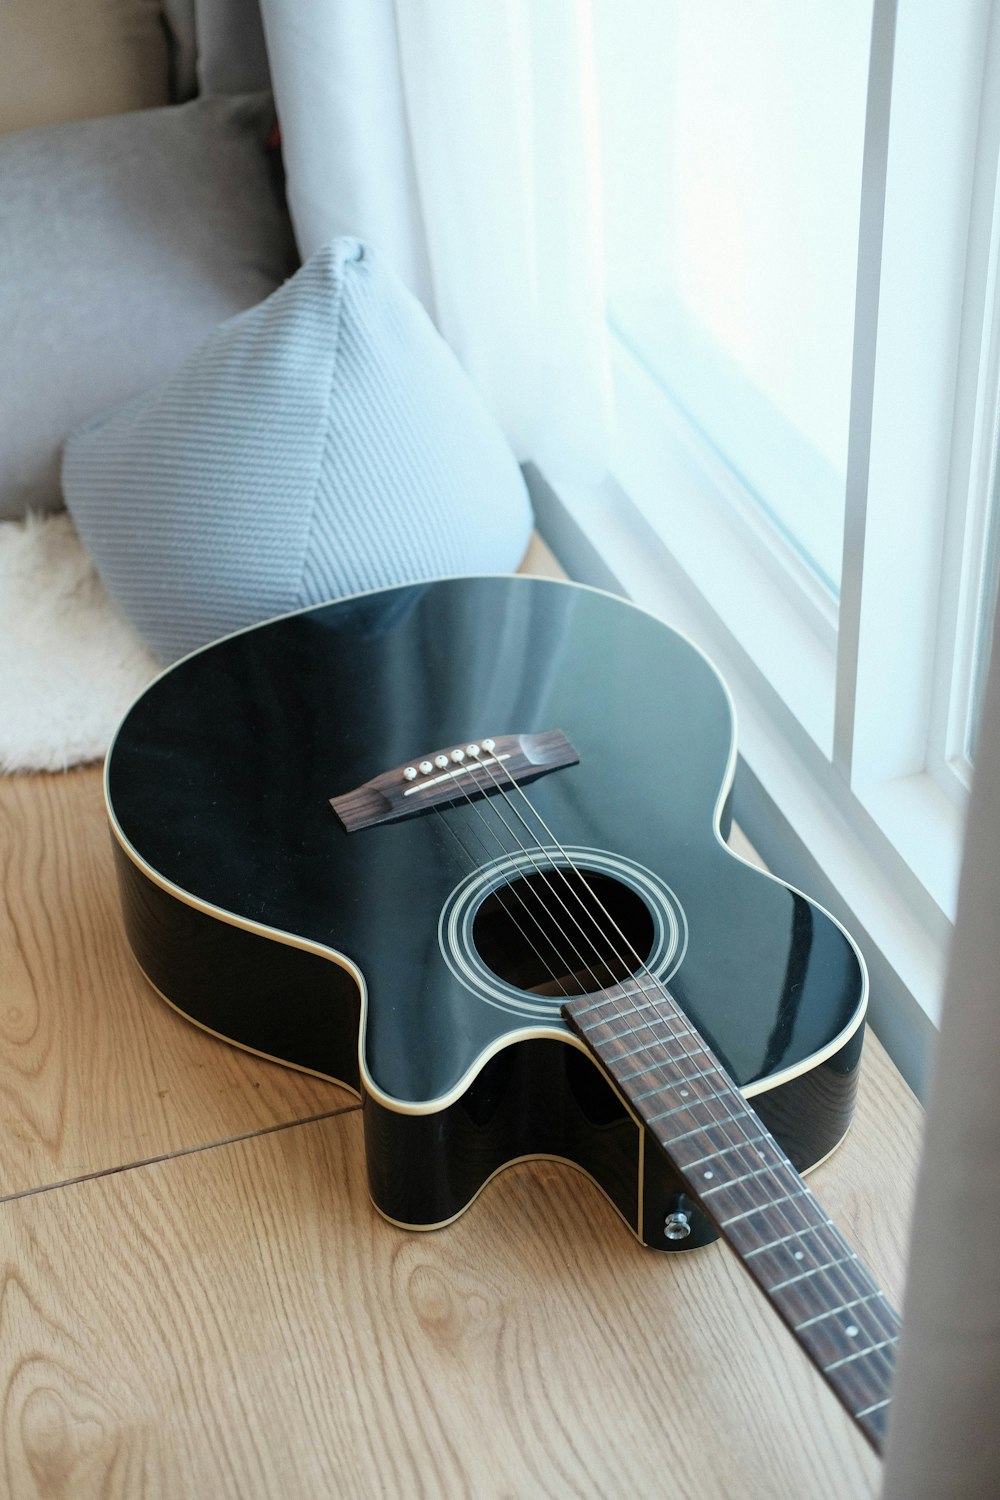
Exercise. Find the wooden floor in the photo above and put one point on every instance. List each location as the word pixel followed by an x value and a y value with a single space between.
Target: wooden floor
pixel 199 1300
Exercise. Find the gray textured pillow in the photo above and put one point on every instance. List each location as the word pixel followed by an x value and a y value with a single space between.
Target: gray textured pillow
pixel 323 443
pixel 123 242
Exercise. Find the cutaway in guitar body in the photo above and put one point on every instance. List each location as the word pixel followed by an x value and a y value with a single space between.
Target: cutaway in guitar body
pixel 302 1007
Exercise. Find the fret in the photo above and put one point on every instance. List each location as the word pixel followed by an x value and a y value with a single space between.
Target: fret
pixel 762 1187
pixel 650 1025
pixel 772 1244
pixel 843 1345
pixel 751 1141
pixel 732 1182
pixel 873 1349
pixel 657 1008
pixel 839 1280
pixel 665 1114
pixel 684 1079
pixel 763 1207
pixel 775 1213
pixel 875 1406
pixel 608 1045
pixel 833 1312
pixel 700 1129
pixel 621 993
pixel 673 1057
pixel 626 1077
pixel 813 1271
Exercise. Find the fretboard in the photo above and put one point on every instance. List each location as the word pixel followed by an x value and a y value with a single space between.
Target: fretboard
pixel 744 1183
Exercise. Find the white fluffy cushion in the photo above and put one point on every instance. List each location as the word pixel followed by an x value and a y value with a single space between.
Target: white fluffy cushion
pixel 69 664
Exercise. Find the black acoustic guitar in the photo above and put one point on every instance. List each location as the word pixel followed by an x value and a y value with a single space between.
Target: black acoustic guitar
pixel 461 847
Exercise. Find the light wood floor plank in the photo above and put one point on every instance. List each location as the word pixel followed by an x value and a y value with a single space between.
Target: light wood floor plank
pixel 240 1323
pixel 95 1071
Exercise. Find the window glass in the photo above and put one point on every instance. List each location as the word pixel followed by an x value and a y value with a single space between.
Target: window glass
pixel 731 138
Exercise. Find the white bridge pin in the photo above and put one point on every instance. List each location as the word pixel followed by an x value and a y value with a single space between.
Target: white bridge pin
pixel 441 761
pixel 458 756
pixel 410 774
pixel 426 768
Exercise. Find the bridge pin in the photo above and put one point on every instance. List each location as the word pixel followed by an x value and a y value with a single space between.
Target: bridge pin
pixel 441 761
pixel 458 756
pixel 425 768
pixel 410 774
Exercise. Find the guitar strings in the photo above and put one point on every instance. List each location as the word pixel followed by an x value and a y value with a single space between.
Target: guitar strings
pixel 745 1140
pixel 796 1233
pixel 575 955
pixel 822 1273
pixel 873 1317
pixel 739 1122
pixel 545 965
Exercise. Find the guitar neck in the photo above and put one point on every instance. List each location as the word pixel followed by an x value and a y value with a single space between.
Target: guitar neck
pixel 746 1186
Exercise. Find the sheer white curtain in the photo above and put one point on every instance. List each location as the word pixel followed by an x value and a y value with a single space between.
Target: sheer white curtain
pixel 944 1442
pixel 460 140
pixel 458 137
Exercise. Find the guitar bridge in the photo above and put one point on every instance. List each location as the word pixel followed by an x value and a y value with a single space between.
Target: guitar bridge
pixel 455 774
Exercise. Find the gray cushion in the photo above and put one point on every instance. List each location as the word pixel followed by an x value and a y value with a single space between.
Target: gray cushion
pixel 123 241
pixel 321 444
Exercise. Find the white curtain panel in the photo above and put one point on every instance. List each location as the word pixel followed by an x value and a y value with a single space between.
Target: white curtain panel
pixel 944 1442
pixel 460 140
pixel 448 134
pixel 336 80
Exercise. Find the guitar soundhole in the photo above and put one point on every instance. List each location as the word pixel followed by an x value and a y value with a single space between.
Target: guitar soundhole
pixel 563 932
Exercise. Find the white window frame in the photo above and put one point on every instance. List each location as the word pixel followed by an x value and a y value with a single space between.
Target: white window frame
pixel 849 781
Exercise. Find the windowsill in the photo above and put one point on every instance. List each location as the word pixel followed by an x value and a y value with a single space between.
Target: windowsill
pixel 794 808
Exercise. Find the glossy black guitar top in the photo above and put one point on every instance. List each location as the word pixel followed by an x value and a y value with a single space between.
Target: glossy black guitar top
pixel 420 959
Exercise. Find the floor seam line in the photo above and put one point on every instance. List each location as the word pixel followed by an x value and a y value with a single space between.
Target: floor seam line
pixel 152 1161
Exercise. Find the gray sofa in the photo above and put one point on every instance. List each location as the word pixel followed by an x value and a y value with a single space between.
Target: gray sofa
pixel 141 203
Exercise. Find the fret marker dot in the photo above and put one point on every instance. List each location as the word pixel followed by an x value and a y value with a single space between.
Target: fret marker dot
pixel 798 1255
pixel 852 1331
pixel 684 1093
pixel 708 1174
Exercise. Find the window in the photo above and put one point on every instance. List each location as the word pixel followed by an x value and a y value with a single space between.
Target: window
pixel 802 240
pixel 732 261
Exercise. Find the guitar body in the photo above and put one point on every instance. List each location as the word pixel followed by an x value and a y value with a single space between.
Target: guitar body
pixel 404 959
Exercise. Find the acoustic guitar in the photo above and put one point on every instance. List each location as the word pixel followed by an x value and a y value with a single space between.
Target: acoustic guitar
pixel 460 846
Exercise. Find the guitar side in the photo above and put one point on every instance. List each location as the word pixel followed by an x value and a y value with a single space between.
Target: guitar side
pixel 295 1003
